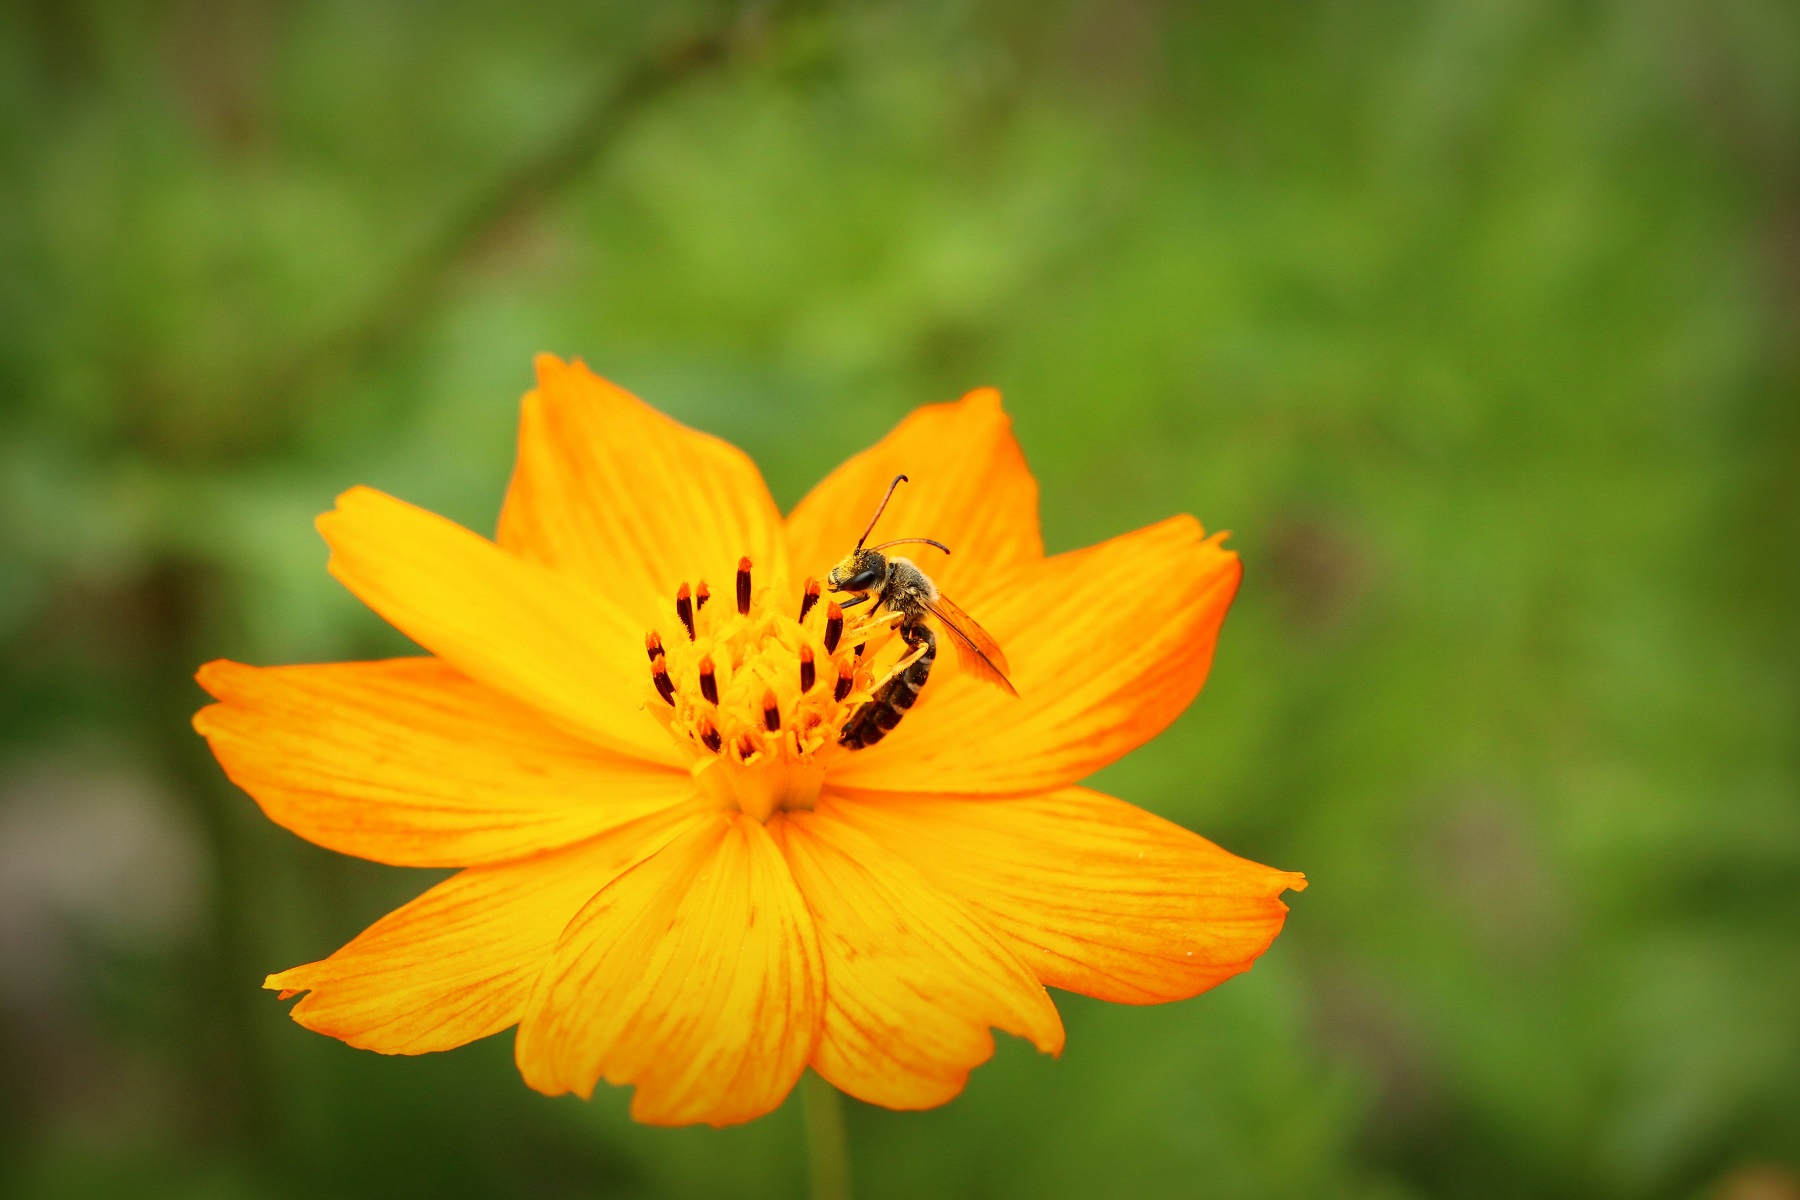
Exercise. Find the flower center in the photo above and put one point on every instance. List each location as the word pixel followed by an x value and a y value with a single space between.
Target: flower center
pixel 758 691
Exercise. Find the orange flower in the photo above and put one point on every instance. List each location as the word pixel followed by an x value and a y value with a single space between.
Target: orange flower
pixel 673 875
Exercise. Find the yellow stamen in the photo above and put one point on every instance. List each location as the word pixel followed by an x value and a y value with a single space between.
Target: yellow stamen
pixel 740 692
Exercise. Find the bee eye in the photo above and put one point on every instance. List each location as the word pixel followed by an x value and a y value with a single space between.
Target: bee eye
pixel 863 580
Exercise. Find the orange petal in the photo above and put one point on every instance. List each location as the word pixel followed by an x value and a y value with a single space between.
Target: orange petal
pixel 539 636
pixel 695 977
pixel 1095 895
pixel 969 488
pixel 1108 645
pixel 458 963
pixel 633 503
pixel 914 979
pixel 407 762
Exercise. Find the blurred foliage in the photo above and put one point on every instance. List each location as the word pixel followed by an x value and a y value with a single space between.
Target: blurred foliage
pixel 1476 321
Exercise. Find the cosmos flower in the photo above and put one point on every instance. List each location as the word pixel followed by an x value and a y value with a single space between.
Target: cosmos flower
pixel 626 734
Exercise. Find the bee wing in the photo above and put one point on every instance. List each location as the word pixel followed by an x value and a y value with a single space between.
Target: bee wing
pixel 976 650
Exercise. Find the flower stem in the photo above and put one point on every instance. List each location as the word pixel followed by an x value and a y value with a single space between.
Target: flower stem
pixel 827 1145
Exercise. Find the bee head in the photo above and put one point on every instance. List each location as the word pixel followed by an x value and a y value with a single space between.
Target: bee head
pixel 866 570
pixel 860 571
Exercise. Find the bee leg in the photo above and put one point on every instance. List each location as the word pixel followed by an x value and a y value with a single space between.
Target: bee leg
pixel 900 668
pixel 874 720
pixel 847 605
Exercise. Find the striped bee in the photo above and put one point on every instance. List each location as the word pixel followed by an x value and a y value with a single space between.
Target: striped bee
pixel 897 583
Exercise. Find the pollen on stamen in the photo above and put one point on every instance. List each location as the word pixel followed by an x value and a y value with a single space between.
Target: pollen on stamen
pixel 771 711
pixel 758 693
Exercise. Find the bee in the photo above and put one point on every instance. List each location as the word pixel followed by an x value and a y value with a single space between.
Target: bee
pixel 896 582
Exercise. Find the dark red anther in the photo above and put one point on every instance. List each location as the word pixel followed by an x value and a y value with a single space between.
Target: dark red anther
pixel 834 626
pixel 659 675
pixel 653 644
pixel 709 735
pixel 807 671
pixel 709 682
pixel 771 711
pixel 811 598
pixel 746 747
pixel 701 595
pixel 743 582
pixel 684 608
pixel 845 681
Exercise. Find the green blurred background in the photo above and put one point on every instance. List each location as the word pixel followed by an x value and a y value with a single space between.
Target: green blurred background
pixel 1478 323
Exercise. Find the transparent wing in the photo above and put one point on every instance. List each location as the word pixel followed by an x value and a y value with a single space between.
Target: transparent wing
pixel 976 650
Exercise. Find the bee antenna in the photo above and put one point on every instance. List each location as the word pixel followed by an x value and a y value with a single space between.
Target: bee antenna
pixel 881 508
pixel 905 541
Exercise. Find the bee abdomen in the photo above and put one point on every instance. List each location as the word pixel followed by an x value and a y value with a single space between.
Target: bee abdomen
pixel 876 719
